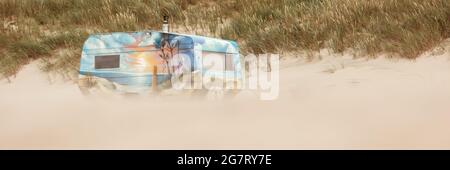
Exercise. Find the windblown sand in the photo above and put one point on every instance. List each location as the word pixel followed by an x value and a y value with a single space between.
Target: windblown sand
pixel 333 103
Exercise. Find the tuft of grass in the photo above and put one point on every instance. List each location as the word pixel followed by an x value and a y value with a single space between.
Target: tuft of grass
pixel 10 64
pixel 65 40
pixel 64 61
pixel 28 49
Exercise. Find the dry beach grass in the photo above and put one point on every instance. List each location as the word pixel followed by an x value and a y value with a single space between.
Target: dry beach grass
pixel 34 29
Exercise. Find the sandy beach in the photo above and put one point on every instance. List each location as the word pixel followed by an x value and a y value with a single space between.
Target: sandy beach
pixel 337 102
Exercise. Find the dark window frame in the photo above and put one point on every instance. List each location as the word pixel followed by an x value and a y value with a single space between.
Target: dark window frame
pixel 107 61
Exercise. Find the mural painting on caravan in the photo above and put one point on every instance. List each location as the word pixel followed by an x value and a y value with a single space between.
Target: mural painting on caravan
pixel 127 60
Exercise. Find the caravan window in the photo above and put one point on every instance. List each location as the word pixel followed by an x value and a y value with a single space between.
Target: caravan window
pixel 229 65
pixel 218 62
pixel 107 61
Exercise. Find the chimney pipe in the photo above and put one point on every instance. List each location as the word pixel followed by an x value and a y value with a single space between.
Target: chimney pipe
pixel 165 26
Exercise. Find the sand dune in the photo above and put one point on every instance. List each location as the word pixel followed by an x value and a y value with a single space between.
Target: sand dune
pixel 334 103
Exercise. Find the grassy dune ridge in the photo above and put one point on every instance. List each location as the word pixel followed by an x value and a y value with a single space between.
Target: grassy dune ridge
pixel 54 30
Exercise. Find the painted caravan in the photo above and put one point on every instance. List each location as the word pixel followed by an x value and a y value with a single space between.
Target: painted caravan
pixel 141 61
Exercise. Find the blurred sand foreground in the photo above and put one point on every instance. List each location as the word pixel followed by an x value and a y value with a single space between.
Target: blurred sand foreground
pixel 334 103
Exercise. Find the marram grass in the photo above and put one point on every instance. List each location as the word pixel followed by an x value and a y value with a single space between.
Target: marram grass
pixel 33 29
